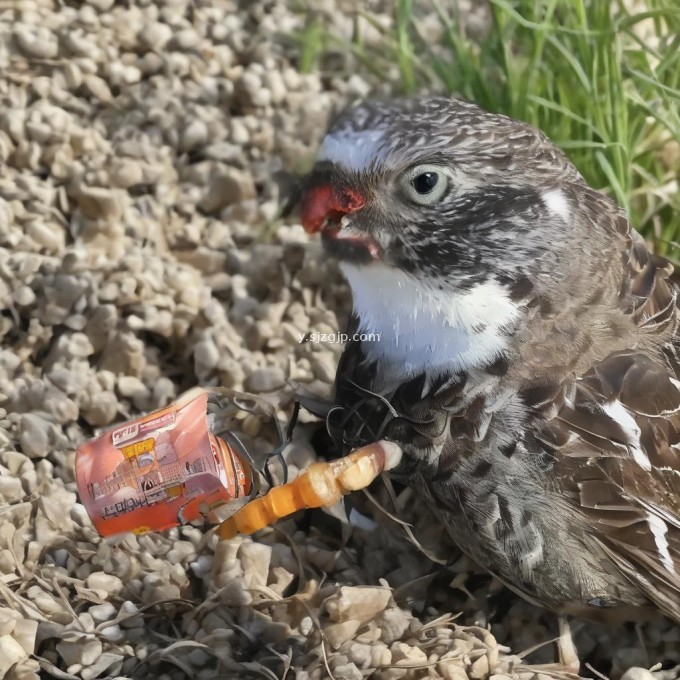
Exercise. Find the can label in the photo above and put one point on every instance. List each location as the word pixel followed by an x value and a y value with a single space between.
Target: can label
pixel 158 471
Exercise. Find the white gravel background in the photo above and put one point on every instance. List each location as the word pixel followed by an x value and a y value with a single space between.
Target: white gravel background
pixel 145 151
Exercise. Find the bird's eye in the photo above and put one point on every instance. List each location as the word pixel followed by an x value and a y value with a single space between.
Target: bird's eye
pixel 424 184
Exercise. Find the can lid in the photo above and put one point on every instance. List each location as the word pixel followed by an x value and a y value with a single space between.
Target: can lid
pixel 234 474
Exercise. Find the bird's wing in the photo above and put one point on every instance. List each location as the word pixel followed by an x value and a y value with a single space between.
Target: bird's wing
pixel 616 441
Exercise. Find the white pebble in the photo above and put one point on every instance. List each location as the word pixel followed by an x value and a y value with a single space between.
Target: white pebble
pixel 34 435
pixel 266 379
pixel 126 173
pixel 98 88
pixel 49 236
pixel 36 41
pixel 102 612
pixel 109 583
pixel 24 296
pixel 102 409
pixel 206 357
pixel 155 35
pixel 11 652
pixel 195 134
pixel 83 653
pixel 637 673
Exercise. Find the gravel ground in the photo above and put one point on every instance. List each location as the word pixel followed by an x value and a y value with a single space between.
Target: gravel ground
pixel 145 150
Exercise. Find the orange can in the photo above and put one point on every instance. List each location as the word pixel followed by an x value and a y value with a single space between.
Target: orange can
pixel 160 470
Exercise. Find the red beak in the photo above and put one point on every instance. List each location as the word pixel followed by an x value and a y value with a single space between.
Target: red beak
pixel 326 202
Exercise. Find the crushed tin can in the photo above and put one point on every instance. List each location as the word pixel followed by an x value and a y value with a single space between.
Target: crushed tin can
pixel 174 465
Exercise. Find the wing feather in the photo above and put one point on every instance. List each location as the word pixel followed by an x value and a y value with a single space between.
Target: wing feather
pixel 620 451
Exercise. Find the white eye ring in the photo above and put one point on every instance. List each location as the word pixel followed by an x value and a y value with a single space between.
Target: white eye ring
pixel 425 184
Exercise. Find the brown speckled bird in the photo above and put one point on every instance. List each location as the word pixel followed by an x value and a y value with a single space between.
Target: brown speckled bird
pixel 527 360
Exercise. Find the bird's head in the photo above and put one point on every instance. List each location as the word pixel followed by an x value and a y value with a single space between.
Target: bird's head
pixel 438 204
pixel 437 188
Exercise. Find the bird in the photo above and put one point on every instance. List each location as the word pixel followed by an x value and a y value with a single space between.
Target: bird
pixel 515 336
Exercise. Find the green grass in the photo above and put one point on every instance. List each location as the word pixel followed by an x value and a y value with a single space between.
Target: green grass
pixel 583 71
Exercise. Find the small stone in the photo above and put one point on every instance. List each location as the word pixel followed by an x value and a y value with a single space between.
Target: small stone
pixel 99 203
pixel 47 235
pixel 206 358
pixel 101 5
pixel 11 652
pixel 24 633
pixel 480 668
pixel 347 671
pixel 451 669
pixel 36 41
pixel 406 655
pixel 324 367
pixel 187 39
pixel 79 346
pixel 251 92
pixel 627 658
pixel 339 633
pixel 102 612
pixel 194 135
pixel 156 589
pixel 62 409
pixel 239 132
pixel 227 188
pixel 362 604
pixel 201 566
pixel 23 296
pixel 393 624
pixel 164 391
pixel 98 88
pixel 131 386
pixel 72 75
pixel 8 621
pixel 155 35
pixel 11 489
pixel 273 81
pixel 100 325
pixel 104 662
pixel 371 655
pixel 151 63
pixel 99 580
pixel 126 173
pixel 637 673
pixel 80 652
pixel 102 409
pixel 255 559
pixel 113 633
pixel 128 609
pixel 34 435
pixel 266 379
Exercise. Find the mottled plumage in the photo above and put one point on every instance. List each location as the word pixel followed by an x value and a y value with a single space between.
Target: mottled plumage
pixel 528 362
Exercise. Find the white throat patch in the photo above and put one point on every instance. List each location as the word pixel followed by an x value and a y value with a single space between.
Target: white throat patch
pixel 422 327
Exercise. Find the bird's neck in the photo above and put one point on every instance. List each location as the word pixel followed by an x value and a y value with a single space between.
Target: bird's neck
pixel 414 326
